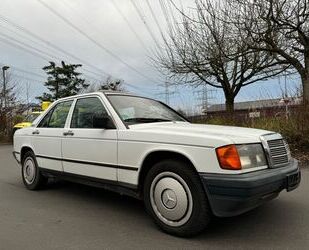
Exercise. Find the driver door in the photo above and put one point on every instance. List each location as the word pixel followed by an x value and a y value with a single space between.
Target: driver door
pixel 87 150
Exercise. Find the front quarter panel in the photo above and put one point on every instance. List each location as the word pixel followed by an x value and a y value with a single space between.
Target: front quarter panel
pixel 133 153
pixel 22 138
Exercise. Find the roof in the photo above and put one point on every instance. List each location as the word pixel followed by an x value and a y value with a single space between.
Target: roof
pixel 115 92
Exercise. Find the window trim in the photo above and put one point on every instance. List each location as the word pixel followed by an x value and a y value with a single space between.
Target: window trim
pixel 50 108
pixel 70 116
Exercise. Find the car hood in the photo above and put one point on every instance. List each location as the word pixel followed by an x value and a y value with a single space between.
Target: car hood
pixel 197 134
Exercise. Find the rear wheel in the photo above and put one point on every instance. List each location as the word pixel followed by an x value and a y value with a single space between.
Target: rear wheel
pixel 175 198
pixel 31 175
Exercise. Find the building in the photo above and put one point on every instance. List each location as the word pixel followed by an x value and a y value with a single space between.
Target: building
pixel 258 108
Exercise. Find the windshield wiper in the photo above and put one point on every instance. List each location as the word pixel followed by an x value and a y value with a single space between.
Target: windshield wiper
pixel 145 120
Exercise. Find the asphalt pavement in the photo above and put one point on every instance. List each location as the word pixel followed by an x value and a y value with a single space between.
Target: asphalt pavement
pixel 73 216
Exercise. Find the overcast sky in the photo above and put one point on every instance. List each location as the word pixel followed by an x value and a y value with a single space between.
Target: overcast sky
pixel 118 29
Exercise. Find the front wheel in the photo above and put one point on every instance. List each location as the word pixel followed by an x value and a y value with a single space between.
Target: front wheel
pixel 175 198
pixel 31 175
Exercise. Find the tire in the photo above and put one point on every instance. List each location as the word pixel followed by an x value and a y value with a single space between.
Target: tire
pixel 32 178
pixel 175 198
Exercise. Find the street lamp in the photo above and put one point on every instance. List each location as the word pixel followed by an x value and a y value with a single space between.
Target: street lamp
pixel 4 68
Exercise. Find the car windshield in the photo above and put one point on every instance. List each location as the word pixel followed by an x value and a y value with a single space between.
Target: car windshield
pixel 31 117
pixel 133 110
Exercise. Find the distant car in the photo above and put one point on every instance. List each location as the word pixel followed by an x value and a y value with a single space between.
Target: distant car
pixel 184 172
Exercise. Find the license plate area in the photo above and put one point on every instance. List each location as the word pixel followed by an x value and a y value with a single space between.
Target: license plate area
pixel 293 181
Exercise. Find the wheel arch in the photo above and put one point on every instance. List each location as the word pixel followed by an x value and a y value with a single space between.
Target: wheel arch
pixel 156 156
pixel 24 150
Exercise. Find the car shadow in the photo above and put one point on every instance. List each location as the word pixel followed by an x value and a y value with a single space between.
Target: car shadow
pixel 260 221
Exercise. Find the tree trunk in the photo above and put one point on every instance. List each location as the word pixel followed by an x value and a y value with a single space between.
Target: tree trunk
pixel 305 83
pixel 229 104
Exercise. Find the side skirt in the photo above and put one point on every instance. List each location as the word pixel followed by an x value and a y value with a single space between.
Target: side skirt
pixel 115 186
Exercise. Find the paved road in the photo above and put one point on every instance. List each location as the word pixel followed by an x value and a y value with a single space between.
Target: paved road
pixel 71 216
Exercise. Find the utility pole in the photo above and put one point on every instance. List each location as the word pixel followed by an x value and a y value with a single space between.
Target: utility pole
pixel 285 100
pixel 167 93
pixel 204 97
pixel 4 68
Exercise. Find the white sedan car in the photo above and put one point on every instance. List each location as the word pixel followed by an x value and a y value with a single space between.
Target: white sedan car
pixel 184 172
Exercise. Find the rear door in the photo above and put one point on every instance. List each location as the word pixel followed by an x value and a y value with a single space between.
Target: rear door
pixel 47 136
pixel 87 150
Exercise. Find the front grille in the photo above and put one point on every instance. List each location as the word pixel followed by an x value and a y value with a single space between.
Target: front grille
pixel 279 152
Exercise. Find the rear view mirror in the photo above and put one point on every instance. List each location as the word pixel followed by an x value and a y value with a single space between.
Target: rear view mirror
pixel 103 121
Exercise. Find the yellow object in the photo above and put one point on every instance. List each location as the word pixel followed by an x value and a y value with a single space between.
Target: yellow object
pixel 45 105
pixel 31 117
pixel 28 120
pixel 22 125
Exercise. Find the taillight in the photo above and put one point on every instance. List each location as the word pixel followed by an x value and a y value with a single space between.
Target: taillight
pixel 228 157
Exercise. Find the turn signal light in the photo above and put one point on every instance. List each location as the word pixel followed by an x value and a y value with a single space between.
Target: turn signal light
pixel 228 157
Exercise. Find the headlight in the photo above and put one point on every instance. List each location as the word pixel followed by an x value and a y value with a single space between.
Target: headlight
pixel 236 157
pixel 251 155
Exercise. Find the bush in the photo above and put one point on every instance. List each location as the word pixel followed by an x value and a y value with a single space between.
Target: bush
pixel 6 126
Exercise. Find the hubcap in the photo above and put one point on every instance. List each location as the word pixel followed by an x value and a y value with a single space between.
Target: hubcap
pixel 171 199
pixel 29 170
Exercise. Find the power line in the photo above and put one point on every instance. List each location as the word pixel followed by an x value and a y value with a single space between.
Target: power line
pixel 65 2
pixel 25 71
pixel 155 19
pixel 39 55
pixel 26 78
pixel 29 46
pixel 166 15
pixel 35 52
pixel 129 25
pixel 145 23
pixel 8 42
pixel 49 44
pixel 99 45
pixel 167 93
pixel 23 37
pixel 205 98
pixel 118 9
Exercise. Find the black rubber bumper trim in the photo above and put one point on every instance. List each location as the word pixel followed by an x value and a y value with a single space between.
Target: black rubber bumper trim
pixel 231 194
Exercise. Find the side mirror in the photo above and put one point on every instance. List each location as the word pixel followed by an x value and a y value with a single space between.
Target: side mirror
pixel 103 121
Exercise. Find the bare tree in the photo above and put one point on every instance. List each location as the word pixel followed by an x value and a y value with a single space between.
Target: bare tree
pixel 204 49
pixel 279 27
pixel 112 84
pixel 108 84
pixel 8 107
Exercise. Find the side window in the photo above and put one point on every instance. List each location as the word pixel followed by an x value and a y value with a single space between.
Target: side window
pixel 45 120
pixel 86 109
pixel 56 117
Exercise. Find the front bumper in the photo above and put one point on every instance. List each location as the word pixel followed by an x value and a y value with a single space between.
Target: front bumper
pixel 231 195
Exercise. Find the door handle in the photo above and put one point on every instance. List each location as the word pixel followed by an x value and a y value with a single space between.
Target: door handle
pixel 36 132
pixel 68 133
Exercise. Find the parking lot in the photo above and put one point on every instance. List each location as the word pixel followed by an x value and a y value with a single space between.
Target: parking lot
pixel 72 216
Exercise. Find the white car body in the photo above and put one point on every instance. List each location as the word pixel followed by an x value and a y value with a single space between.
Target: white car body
pixel 118 155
